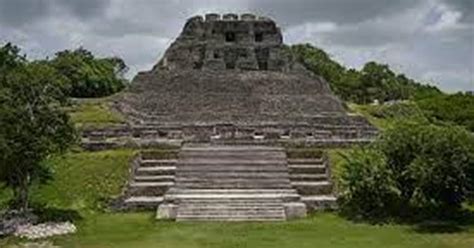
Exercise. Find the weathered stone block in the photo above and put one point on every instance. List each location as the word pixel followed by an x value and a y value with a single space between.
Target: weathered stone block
pixel 295 210
pixel 167 212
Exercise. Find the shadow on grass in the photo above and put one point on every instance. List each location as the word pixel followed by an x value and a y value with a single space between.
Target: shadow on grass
pixel 460 222
pixel 452 222
pixel 48 214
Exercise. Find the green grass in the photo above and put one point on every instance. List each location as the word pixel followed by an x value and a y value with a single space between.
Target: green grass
pixel 320 230
pixel 83 180
pixel 365 110
pixel 94 113
pixel 385 116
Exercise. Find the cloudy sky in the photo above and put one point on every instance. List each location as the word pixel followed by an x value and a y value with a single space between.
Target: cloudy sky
pixel 430 40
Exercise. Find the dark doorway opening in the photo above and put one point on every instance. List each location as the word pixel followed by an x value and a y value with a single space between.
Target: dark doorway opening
pixel 230 37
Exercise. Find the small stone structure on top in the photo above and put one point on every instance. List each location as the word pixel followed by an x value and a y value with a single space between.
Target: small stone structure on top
pixel 230 79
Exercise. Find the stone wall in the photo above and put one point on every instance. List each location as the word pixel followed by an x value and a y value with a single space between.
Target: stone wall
pixel 227 42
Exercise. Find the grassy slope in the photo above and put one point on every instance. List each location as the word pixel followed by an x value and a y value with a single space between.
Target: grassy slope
pixel 94 113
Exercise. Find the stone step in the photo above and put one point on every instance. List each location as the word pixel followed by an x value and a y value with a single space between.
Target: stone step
pixel 237 203
pixel 232 149
pixel 158 170
pixel 219 194
pixel 307 169
pixel 235 174
pixel 143 202
pixel 213 218
pixel 232 162
pixel 148 189
pixel 320 202
pixel 241 151
pixel 231 169
pixel 232 181
pixel 229 193
pixel 308 177
pixel 185 207
pixel 316 161
pixel 154 155
pixel 159 178
pixel 267 213
pixel 158 162
pixel 313 188
pixel 233 186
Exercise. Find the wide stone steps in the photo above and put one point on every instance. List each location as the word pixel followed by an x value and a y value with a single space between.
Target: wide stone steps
pixel 145 202
pixel 308 177
pixel 149 188
pixel 307 169
pixel 151 178
pixel 158 162
pixel 252 209
pixel 157 170
pixel 311 178
pixel 231 183
pixel 230 169
pixel 313 188
pixel 158 178
pixel 233 162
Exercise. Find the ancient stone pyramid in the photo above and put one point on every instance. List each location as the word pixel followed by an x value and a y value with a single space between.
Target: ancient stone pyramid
pixel 232 77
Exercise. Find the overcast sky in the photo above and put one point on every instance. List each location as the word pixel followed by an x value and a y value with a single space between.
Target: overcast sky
pixel 429 40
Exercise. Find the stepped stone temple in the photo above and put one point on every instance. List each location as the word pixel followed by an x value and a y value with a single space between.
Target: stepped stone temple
pixel 232 96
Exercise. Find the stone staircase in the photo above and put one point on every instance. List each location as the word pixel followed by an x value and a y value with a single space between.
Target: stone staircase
pixel 151 177
pixel 232 183
pixel 311 177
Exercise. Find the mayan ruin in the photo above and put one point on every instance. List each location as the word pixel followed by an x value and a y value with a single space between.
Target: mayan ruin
pixel 229 92
pixel 243 123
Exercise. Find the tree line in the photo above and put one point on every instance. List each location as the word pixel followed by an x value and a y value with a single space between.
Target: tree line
pixel 373 82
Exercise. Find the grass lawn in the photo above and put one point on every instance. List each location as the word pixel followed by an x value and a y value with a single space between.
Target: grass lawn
pixel 84 180
pixel 320 230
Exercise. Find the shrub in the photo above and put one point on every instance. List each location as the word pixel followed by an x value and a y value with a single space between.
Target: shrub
pixel 430 163
pixel 427 166
pixel 457 109
pixel 367 188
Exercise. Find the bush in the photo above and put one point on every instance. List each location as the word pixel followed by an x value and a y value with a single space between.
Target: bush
pixel 457 109
pixel 427 165
pixel 368 188
pixel 430 163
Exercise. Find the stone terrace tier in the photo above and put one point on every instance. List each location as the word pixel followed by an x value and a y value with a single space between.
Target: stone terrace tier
pixel 231 77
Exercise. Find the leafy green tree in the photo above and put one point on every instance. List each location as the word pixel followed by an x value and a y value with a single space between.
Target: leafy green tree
pixel 89 76
pixel 33 126
pixel 9 59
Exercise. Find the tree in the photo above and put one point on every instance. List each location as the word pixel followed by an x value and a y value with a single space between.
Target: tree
pixel 374 82
pixel 33 126
pixel 89 76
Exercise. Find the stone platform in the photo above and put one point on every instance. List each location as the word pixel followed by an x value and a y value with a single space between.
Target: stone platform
pixel 229 183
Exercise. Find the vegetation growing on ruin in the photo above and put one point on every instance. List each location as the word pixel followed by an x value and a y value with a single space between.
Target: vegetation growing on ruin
pixel 95 113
